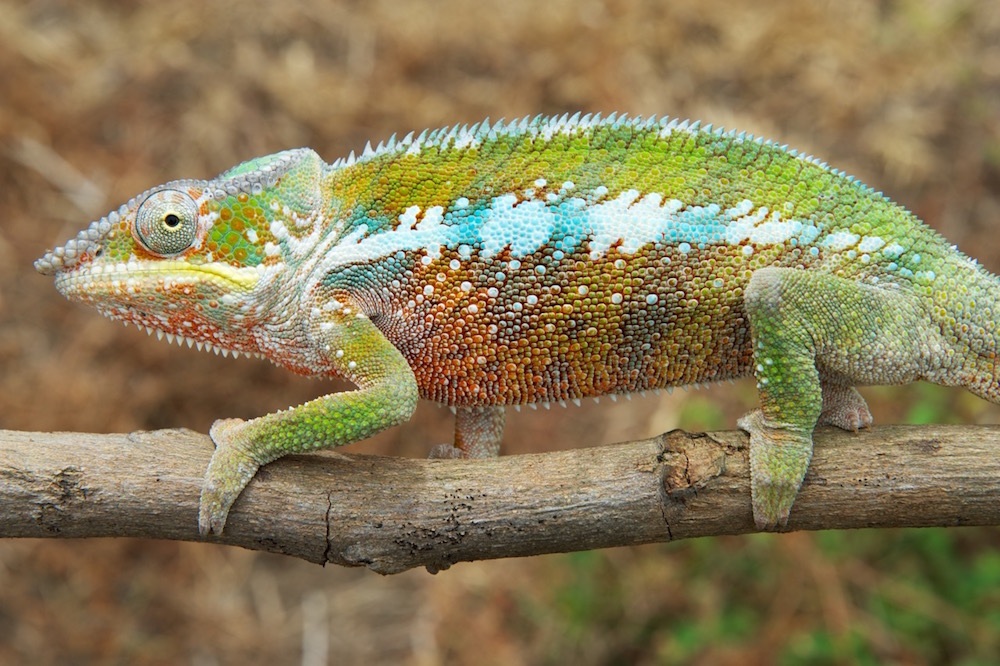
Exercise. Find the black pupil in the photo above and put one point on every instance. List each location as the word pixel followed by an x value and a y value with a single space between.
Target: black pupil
pixel 171 220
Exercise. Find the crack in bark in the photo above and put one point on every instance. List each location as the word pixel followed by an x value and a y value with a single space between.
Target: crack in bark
pixel 662 467
pixel 328 519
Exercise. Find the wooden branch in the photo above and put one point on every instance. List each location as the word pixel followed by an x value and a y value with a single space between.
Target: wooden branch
pixel 392 514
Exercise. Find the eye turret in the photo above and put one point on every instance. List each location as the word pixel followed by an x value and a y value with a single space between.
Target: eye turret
pixel 166 222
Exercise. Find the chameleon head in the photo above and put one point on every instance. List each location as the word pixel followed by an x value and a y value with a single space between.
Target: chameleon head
pixel 196 259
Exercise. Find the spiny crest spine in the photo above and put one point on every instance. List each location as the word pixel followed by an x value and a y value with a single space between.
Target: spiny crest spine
pixel 463 136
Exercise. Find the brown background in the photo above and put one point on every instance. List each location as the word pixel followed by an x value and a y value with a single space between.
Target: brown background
pixel 101 100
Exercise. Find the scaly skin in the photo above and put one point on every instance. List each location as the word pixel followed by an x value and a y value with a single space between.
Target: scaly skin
pixel 537 261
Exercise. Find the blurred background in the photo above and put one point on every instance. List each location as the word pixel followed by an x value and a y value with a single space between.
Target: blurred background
pixel 100 100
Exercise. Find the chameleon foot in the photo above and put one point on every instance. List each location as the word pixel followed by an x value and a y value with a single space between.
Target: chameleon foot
pixel 228 473
pixel 844 407
pixel 778 461
pixel 446 452
pixel 478 431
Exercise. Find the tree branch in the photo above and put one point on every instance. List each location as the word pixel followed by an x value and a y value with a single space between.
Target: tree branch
pixel 392 514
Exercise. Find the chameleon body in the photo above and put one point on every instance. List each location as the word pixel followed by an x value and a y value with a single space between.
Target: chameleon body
pixel 541 260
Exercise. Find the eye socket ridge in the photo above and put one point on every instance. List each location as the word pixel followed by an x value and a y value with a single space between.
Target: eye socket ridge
pixel 166 222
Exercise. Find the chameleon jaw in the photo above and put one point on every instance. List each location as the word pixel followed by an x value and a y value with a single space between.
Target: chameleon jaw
pixel 152 296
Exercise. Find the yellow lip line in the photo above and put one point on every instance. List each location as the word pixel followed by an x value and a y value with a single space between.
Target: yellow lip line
pixel 245 278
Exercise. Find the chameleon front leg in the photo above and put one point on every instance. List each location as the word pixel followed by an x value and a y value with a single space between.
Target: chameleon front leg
pixel 386 396
pixel 801 321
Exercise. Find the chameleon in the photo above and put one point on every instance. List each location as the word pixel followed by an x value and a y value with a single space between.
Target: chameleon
pixel 543 260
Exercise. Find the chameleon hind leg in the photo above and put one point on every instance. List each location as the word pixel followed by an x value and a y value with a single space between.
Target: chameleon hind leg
pixel 813 336
pixel 478 431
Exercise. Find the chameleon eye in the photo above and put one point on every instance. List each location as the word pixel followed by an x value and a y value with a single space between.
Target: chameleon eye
pixel 166 222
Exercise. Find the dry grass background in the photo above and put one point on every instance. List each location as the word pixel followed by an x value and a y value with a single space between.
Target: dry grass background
pixel 101 100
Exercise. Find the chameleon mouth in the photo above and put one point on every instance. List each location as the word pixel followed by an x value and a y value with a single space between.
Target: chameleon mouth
pixel 153 296
pixel 167 298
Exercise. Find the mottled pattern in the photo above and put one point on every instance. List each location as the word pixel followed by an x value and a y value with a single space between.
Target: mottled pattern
pixel 543 260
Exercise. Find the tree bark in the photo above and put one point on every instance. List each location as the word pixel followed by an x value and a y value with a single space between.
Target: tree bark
pixel 392 514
